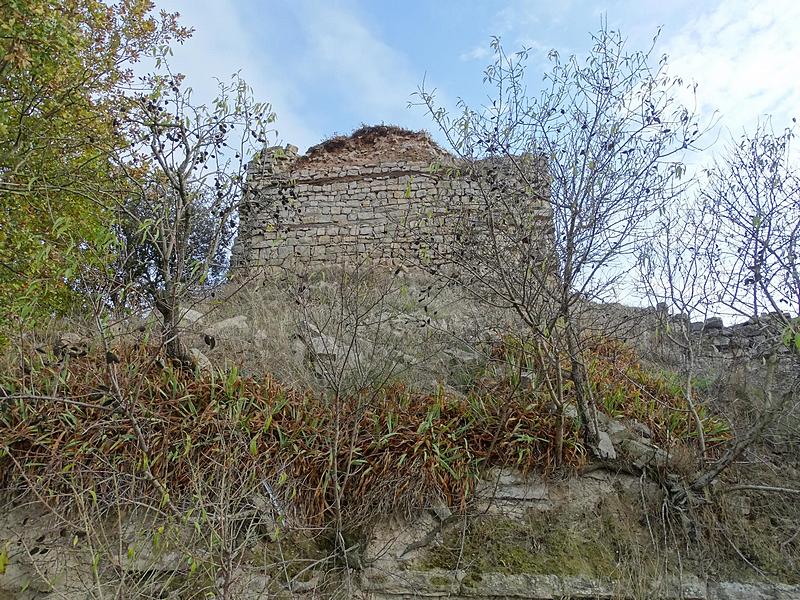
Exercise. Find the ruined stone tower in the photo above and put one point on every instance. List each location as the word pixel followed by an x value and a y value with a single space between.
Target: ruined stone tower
pixel 383 194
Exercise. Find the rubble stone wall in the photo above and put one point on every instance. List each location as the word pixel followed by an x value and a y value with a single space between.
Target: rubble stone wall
pixel 754 338
pixel 386 204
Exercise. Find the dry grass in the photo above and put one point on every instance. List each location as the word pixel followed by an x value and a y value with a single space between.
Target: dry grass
pixel 627 389
pixel 338 461
pixel 368 135
pixel 381 450
pixel 393 450
pixel 369 143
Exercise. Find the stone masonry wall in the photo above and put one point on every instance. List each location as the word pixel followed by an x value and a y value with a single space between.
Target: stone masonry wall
pixel 754 339
pixel 391 202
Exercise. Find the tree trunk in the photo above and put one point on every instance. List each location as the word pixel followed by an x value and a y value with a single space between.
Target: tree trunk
pixel 171 338
pixel 580 380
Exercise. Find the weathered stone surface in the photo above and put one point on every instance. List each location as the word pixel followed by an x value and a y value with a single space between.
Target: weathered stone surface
pixel 71 344
pixel 729 590
pixel 228 328
pixel 571 411
pixel 201 361
pixel 324 348
pixel 640 429
pixel 644 455
pixel 190 316
pixel 342 203
pixel 508 485
pixel 554 587
pixel 605 447
pixel 617 431
pixel 44 560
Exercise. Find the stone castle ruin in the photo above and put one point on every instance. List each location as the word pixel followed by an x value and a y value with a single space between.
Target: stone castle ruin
pixel 384 194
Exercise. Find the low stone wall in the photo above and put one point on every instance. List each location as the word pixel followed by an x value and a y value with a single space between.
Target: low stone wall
pixel 755 338
pixel 711 338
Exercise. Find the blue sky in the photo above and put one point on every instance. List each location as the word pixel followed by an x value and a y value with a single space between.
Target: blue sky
pixel 328 66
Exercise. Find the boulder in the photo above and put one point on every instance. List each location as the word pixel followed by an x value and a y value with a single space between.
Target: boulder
pixel 605 447
pixel 71 344
pixel 640 429
pixel 228 328
pixel 570 411
pixel 186 319
pixel 617 431
pixel 644 455
pixel 323 348
pixel 201 361
pixel 319 346
pixel 190 316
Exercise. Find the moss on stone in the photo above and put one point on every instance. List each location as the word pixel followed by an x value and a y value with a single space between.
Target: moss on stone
pixel 612 540
pixel 439 581
pixel 599 543
pixel 536 544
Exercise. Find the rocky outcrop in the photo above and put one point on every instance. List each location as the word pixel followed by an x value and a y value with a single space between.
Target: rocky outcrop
pixel 521 537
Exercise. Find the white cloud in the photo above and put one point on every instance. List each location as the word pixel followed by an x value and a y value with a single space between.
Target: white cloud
pixel 477 53
pixel 744 56
pixel 522 15
pixel 369 74
pixel 535 25
pixel 332 53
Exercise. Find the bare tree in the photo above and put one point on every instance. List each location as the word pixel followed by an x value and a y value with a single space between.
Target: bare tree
pixel 733 250
pixel 603 145
pixel 673 269
pixel 754 193
pixel 361 338
pixel 752 197
pixel 184 173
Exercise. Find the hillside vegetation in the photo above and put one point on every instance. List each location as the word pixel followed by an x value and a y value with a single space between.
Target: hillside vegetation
pixel 173 428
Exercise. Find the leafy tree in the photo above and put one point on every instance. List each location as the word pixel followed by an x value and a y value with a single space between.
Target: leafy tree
pixel 64 67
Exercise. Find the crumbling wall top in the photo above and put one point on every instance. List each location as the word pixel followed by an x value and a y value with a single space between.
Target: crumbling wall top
pixel 374 144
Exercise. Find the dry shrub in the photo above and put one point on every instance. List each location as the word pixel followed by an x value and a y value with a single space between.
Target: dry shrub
pixel 624 388
pixel 750 530
pixel 370 140
pixel 417 331
pixel 255 460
